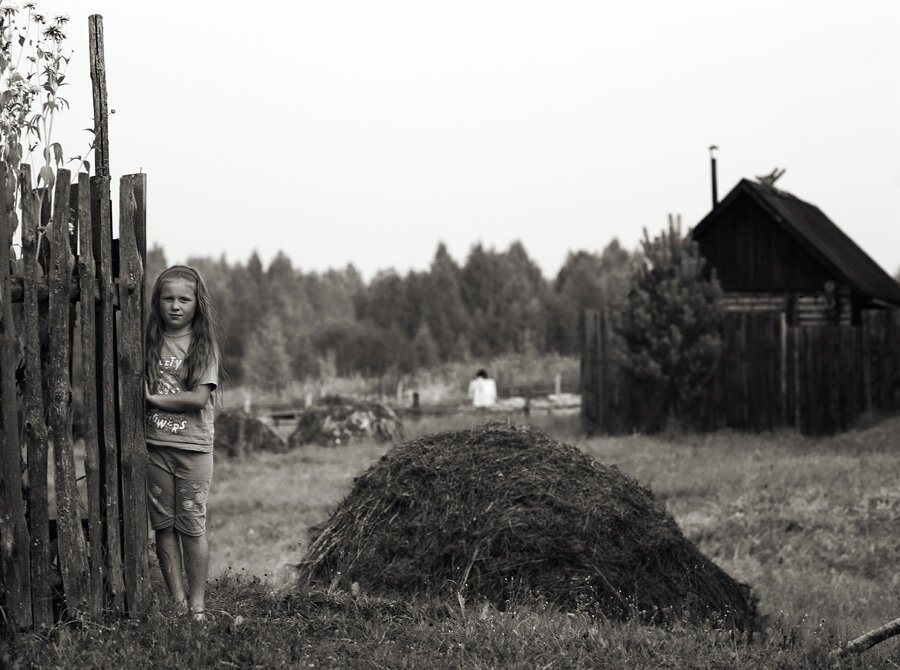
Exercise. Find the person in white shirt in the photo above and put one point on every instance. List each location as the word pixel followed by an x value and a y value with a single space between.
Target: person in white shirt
pixel 482 391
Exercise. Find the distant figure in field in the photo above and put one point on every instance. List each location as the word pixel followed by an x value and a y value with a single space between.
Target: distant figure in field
pixel 482 391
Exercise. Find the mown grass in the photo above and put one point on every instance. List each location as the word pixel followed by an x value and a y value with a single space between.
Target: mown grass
pixel 810 524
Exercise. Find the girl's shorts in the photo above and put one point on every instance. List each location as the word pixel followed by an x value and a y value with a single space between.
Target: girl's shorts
pixel 177 488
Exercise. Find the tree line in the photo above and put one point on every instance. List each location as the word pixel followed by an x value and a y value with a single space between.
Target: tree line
pixel 279 323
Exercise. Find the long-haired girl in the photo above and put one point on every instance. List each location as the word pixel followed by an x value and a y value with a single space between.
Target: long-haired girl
pixel 182 372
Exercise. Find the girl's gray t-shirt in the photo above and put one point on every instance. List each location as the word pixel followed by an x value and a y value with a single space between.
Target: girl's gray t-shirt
pixel 186 430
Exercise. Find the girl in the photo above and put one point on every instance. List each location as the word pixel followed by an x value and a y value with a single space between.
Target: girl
pixel 182 370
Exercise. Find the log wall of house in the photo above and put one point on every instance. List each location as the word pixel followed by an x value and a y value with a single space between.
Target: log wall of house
pixel 809 309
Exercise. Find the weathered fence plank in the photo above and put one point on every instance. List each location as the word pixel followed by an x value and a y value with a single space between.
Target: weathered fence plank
pixel 98 87
pixel 70 539
pixel 36 436
pixel 108 392
pixel 131 371
pixel 90 430
pixel 14 571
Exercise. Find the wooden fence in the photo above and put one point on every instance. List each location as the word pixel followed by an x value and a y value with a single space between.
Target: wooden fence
pixel 93 555
pixel 94 566
pixel 816 379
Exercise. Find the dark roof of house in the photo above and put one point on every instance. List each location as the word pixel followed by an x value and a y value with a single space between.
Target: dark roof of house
pixel 809 224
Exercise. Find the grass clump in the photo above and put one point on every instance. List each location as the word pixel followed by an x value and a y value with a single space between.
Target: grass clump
pixel 255 625
pixel 500 511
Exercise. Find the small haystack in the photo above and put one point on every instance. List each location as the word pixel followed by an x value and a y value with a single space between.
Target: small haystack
pixel 238 433
pixel 337 420
pixel 499 512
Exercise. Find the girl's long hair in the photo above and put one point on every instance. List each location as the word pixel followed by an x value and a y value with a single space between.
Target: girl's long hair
pixel 204 348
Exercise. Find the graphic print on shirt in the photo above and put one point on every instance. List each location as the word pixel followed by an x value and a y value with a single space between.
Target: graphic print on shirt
pixel 167 383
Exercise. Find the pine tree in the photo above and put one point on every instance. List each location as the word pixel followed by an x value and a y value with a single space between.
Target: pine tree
pixel 670 322
pixel 266 363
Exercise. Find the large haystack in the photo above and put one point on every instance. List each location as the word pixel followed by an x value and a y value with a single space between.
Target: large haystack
pixel 238 433
pixel 502 511
pixel 337 420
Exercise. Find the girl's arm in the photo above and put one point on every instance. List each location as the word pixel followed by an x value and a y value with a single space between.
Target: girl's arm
pixel 183 401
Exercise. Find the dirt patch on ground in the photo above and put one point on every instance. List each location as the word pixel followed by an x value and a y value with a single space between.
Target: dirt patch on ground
pixel 504 512
pixel 338 420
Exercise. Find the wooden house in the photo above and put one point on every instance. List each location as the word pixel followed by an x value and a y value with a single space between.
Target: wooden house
pixel 773 251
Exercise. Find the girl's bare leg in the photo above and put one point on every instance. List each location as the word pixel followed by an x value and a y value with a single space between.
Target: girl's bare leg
pixel 196 563
pixel 168 551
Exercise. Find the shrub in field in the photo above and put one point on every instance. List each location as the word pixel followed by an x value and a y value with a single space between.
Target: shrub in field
pixel 498 511
pixel 337 420
pixel 238 433
pixel 670 324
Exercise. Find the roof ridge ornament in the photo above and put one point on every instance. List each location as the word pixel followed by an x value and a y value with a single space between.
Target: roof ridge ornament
pixel 770 179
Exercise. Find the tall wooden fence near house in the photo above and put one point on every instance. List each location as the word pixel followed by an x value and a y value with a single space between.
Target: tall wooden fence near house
pixel 93 555
pixel 816 379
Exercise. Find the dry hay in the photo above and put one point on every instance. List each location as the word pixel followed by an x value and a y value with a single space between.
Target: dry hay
pixel 337 420
pixel 501 511
pixel 238 433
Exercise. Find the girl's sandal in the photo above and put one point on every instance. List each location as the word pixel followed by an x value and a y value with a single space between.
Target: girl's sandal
pixel 181 608
pixel 199 615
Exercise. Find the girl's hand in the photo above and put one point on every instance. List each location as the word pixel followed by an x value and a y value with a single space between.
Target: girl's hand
pixel 147 393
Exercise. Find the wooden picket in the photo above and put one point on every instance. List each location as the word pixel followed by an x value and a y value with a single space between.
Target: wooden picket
pixel 14 560
pixel 131 372
pixel 92 471
pixel 36 432
pixel 817 379
pixel 70 538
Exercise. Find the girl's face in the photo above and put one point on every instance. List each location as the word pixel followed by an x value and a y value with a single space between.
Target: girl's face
pixel 177 305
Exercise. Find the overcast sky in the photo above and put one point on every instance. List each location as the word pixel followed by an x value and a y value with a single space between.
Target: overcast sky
pixel 365 132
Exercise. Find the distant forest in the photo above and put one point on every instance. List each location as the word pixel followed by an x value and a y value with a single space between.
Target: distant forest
pixel 279 323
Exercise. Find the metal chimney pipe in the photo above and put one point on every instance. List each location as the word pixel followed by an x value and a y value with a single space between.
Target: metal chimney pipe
pixel 712 165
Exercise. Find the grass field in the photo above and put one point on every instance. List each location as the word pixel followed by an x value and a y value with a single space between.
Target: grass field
pixel 812 525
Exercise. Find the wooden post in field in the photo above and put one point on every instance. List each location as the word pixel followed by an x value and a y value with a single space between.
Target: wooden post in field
pixel 783 367
pixel 36 436
pixel 131 373
pixel 101 215
pixel 72 550
pixel 595 373
pixel 86 279
pixel 14 573
pixel 798 396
